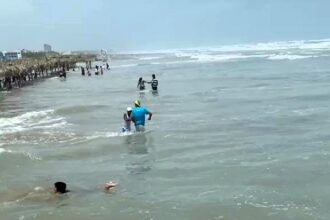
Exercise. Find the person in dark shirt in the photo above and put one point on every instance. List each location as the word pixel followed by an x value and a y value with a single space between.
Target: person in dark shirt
pixel 154 83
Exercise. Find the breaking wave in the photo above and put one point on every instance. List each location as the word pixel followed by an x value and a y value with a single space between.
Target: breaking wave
pixel 285 50
pixel 45 119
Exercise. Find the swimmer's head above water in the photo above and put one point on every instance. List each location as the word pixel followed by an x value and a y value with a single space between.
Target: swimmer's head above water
pixel 60 187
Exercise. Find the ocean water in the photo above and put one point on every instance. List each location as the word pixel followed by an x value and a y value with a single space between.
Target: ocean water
pixel 238 133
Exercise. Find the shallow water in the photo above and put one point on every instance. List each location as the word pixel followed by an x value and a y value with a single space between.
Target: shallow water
pixel 245 139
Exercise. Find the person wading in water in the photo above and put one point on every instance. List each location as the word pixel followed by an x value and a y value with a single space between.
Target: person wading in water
pixel 154 83
pixel 140 84
pixel 127 120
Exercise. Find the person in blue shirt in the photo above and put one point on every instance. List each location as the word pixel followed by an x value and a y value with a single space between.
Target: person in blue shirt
pixel 138 116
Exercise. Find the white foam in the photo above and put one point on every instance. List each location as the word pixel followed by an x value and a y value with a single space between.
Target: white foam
pixel 44 119
pixel 223 57
pixel 322 44
pixel 111 134
pixel 288 57
pixel 149 58
pixel 31 156
pixel 173 62
pixel 271 46
pixel 125 65
pixel 3 150
pixel 282 50
pixel 108 135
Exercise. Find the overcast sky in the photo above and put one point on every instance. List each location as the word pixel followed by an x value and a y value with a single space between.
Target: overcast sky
pixel 158 24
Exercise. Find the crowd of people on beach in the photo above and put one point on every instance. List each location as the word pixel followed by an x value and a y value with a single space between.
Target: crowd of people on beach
pixel 98 69
pixel 26 77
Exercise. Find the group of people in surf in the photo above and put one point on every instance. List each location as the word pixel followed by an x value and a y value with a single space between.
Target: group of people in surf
pixel 153 82
pixel 98 69
pixel 137 113
pixel 137 116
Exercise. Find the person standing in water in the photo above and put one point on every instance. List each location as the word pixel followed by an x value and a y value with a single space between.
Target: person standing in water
pixel 154 83
pixel 82 71
pixel 127 120
pixel 138 116
pixel 140 84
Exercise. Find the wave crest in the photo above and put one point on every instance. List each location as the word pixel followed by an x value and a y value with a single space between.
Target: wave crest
pixel 45 119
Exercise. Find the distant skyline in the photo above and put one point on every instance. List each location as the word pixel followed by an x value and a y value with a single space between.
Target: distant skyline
pixel 131 25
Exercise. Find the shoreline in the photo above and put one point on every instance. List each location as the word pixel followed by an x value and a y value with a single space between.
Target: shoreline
pixel 20 73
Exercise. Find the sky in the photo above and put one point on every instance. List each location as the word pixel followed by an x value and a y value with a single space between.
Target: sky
pixel 131 25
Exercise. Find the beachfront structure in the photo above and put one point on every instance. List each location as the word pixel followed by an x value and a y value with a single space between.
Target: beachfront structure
pixel 47 48
pixel 16 74
pixel 11 56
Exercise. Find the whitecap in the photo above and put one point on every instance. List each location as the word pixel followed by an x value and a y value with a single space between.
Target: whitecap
pixel 3 150
pixel 149 58
pixel 125 65
pixel 288 57
pixel 44 119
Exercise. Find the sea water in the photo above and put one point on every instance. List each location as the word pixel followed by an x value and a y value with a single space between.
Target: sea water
pixel 238 132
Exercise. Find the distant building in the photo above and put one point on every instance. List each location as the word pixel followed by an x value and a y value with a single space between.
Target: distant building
pixel 47 48
pixel 17 55
pixel 2 57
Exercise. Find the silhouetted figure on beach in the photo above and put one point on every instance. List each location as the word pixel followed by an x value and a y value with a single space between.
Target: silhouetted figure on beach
pixel 108 67
pixel 82 71
pixel 7 83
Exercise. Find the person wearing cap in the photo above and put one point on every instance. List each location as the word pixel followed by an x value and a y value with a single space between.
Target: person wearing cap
pixel 138 116
pixel 127 120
